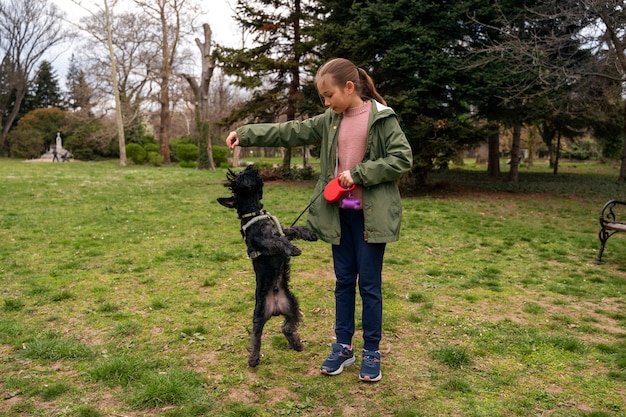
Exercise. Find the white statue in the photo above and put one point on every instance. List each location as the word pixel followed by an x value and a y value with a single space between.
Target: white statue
pixel 59 142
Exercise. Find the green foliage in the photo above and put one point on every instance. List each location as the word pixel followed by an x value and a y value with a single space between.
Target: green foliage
pixel 152 147
pixel 154 158
pixel 45 91
pixel 186 152
pixel 85 141
pixel 220 155
pixel 36 131
pixel 581 150
pixel 187 164
pixel 136 153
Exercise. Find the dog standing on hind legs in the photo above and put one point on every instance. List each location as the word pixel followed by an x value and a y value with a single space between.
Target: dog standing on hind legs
pixel 269 248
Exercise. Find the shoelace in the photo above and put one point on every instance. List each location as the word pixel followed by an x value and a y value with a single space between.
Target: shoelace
pixel 370 360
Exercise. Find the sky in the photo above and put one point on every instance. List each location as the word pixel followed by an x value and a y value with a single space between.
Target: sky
pixel 218 15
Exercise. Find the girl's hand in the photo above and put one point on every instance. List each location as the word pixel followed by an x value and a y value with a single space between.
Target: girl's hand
pixel 345 179
pixel 232 140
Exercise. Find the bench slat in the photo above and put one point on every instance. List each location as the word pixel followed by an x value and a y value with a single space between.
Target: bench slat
pixel 616 226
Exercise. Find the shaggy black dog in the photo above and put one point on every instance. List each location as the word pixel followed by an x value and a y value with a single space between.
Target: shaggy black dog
pixel 269 247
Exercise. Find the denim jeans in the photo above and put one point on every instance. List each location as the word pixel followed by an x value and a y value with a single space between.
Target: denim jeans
pixel 357 261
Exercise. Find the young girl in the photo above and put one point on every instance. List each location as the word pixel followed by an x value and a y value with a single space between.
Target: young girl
pixel 362 145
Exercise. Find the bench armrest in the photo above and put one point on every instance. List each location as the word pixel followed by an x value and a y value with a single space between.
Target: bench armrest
pixel 613 211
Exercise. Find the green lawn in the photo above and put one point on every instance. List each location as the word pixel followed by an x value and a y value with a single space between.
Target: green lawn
pixel 126 292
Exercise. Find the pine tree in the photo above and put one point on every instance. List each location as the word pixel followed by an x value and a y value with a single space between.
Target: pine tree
pixel 272 67
pixel 46 92
pixel 79 91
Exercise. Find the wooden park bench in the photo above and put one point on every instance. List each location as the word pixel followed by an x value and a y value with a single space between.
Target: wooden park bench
pixel 612 220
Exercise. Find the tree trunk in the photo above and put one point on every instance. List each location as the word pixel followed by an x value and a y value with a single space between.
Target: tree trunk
pixel 557 153
pixel 493 162
pixel 164 96
pixel 294 85
pixel 622 170
pixel 515 147
pixel 201 95
pixel 116 91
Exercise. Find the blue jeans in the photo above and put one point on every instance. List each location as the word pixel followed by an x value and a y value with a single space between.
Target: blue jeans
pixel 357 261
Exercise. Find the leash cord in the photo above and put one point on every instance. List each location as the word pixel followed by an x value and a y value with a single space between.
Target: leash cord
pixel 307 207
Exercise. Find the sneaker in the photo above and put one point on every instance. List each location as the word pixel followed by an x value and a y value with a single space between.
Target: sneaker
pixel 337 360
pixel 370 369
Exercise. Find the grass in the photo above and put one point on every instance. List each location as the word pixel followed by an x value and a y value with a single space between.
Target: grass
pixel 126 291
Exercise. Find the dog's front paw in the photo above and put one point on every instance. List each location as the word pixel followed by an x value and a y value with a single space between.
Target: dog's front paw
pixel 309 235
pixel 293 251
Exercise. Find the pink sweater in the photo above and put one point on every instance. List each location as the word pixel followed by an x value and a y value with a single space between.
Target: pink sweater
pixel 352 140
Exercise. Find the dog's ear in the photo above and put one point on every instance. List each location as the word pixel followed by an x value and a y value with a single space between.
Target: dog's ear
pixel 228 202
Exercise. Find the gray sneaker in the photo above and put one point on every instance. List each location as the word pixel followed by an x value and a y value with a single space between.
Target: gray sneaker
pixel 337 360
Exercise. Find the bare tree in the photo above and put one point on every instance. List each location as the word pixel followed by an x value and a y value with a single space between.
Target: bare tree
pixel 610 21
pixel 28 29
pixel 116 91
pixel 101 27
pixel 134 59
pixel 172 18
pixel 201 95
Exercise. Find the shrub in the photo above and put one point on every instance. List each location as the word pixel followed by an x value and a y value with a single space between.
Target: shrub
pixel 187 164
pixel 152 147
pixel 136 153
pixel 187 152
pixel 220 155
pixel 155 158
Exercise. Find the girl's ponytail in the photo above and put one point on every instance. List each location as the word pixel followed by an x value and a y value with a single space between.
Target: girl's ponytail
pixel 368 88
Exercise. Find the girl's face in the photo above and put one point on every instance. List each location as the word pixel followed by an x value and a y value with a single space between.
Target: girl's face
pixel 338 98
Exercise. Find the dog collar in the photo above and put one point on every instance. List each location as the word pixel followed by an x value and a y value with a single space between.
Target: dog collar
pixel 253 214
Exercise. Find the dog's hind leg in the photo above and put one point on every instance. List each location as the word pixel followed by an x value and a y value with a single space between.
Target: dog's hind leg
pixel 258 322
pixel 292 319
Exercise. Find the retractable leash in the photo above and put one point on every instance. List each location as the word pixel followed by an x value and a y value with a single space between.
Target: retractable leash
pixel 307 207
pixel 332 193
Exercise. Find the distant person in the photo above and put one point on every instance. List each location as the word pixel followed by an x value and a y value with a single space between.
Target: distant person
pixel 362 145
pixel 55 156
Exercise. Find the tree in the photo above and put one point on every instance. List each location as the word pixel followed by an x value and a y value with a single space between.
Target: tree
pixel 201 104
pixel 523 60
pixel 272 67
pixel 170 19
pixel 45 91
pixel 80 93
pixel 412 50
pixel 28 29
pixel 134 55
pixel 35 131
pixel 609 18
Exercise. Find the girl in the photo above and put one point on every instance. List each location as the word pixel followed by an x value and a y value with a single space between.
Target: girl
pixel 362 145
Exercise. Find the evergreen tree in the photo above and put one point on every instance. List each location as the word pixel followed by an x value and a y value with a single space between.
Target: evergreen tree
pixel 45 91
pixel 272 67
pixel 79 93
pixel 411 50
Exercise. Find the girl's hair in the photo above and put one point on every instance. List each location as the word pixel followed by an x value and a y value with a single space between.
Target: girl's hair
pixel 342 70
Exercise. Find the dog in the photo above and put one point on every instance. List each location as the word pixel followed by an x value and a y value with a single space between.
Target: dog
pixel 270 248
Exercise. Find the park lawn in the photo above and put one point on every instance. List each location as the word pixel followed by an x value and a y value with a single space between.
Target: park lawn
pixel 126 292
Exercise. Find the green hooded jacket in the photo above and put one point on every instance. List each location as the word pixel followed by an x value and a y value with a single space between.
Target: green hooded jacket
pixel 387 156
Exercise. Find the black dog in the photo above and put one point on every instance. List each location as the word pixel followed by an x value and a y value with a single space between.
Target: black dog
pixel 269 247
